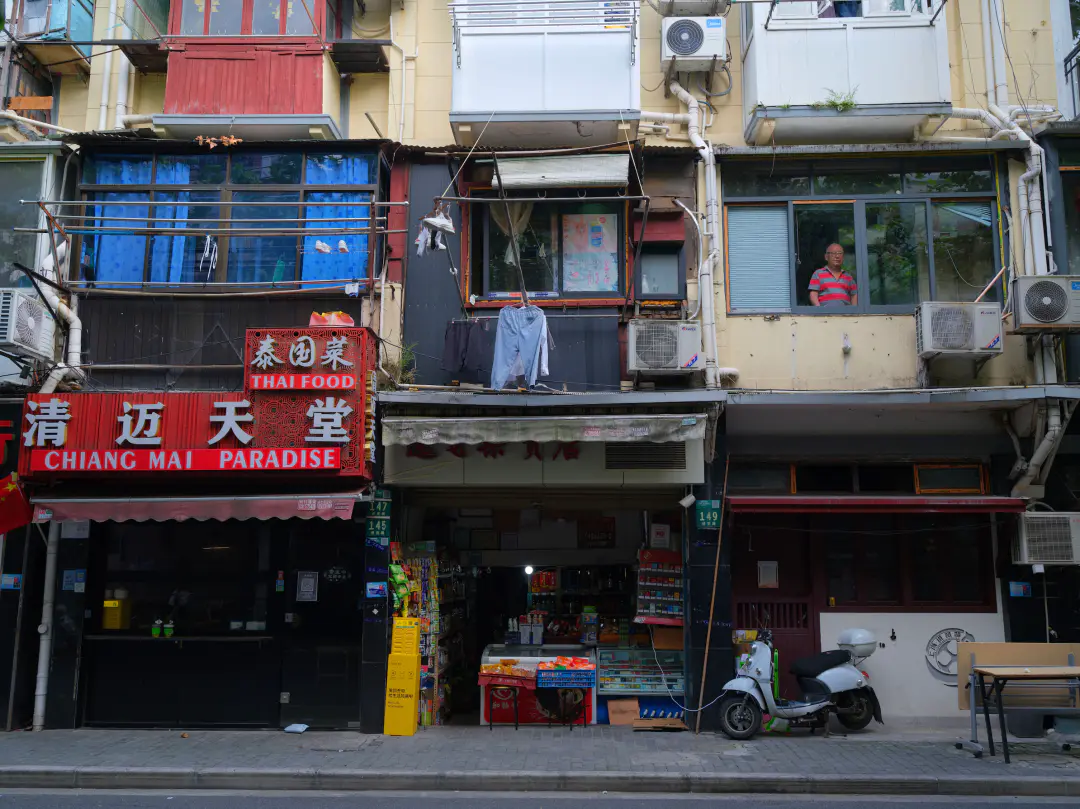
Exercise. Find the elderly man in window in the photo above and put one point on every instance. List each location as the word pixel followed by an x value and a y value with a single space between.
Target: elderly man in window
pixel 831 286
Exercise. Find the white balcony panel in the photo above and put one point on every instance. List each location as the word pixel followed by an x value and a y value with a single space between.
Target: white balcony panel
pixel 895 70
pixel 565 72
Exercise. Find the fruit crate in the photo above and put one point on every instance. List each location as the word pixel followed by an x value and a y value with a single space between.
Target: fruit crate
pixel 566 678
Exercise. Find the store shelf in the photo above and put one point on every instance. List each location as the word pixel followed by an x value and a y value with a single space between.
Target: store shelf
pixel 638 692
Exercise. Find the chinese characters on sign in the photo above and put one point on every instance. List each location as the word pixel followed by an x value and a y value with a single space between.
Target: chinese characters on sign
pixel 290 423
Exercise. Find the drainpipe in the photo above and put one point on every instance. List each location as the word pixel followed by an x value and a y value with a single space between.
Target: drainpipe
pixel 701 258
pixel 706 290
pixel 32 123
pixel 128 121
pixel 988 54
pixel 997 29
pixel 404 58
pixel 106 81
pixel 123 75
pixel 45 629
pixel 69 314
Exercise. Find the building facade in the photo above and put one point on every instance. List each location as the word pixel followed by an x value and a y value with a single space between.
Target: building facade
pixel 778 249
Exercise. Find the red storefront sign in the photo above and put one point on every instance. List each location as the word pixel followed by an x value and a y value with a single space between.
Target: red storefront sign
pixel 300 428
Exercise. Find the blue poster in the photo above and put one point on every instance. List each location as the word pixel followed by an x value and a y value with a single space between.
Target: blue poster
pixel 1020 589
pixel 11 581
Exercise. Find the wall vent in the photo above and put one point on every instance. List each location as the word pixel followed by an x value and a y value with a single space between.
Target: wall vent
pixel 628 455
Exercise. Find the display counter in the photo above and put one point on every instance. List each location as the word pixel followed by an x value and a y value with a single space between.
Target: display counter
pixel 531 703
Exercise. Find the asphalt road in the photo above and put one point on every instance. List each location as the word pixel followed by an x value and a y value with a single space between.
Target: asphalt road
pixel 113 799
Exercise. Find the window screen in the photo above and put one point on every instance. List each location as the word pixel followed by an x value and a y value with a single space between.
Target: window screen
pixel 759 266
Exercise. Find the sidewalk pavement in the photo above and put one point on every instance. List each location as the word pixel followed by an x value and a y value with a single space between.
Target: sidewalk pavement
pixel 597 758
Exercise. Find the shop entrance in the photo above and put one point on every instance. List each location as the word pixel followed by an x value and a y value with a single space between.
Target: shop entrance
pixel 533 580
pixel 323 622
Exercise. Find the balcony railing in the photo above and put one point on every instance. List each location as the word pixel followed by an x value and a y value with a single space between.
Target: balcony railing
pixel 192 245
pixel 57 32
pixel 1072 78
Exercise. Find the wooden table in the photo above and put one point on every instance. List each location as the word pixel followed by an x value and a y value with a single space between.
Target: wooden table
pixel 999 676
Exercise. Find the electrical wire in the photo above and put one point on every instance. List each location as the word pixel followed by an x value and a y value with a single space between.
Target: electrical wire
pixel 670 693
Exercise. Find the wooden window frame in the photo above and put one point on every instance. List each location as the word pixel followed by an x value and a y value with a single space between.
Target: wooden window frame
pixel 981 468
pixel 226 189
pixel 316 9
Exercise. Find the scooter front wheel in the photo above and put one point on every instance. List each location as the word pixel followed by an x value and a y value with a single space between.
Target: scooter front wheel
pixel 740 717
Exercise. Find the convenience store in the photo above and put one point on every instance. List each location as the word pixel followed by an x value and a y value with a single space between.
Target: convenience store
pixel 557 534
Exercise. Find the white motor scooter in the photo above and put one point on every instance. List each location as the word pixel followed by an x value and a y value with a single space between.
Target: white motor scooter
pixel 830 683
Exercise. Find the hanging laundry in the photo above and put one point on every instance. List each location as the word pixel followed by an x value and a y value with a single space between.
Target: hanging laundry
pixel 465 346
pixel 521 335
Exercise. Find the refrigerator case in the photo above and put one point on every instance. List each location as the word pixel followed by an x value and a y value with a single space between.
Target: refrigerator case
pixel 639 672
pixel 529 711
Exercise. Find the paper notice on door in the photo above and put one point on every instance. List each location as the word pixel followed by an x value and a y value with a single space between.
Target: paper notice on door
pixel 307 585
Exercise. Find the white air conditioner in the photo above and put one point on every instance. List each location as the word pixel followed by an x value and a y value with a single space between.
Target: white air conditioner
pixel 958 329
pixel 1046 302
pixel 1048 538
pixel 665 347
pixel 26 327
pixel 695 43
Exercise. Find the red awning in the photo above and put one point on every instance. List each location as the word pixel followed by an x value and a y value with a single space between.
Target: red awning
pixel 162 509
pixel 861 504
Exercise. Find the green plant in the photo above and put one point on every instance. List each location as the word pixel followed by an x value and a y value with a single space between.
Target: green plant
pixel 401 372
pixel 785 106
pixel 841 102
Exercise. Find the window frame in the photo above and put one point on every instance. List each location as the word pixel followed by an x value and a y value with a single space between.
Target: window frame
pixel 676 248
pixel 859 202
pixel 226 205
pixel 482 220
pixel 247 13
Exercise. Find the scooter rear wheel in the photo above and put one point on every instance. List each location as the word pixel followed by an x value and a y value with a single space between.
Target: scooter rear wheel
pixel 740 717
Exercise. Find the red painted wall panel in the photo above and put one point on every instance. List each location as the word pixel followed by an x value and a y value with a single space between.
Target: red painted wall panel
pixel 212 79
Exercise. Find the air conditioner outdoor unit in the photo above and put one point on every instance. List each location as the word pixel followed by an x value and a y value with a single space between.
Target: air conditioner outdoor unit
pixel 1046 302
pixel 1048 538
pixel 958 329
pixel 665 347
pixel 695 43
pixel 26 327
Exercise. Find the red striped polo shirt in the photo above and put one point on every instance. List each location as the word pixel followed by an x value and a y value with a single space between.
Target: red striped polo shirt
pixel 830 288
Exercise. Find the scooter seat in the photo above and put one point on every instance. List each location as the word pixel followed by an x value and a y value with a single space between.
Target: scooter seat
pixel 816 664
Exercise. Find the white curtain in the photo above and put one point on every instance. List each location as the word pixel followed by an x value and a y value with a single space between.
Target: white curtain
pixel 519 217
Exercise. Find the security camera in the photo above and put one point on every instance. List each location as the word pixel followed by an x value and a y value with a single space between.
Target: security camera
pixel 688 501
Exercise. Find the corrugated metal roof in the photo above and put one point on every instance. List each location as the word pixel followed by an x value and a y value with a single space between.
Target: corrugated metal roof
pixel 976 145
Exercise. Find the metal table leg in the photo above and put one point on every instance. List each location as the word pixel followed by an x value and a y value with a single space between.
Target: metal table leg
pixel 986 713
pixel 999 686
pixel 491 699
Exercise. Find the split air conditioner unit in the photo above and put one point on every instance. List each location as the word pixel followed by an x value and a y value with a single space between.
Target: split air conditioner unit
pixel 694 43
pixel 27 328
pixel 1048 538
pixel 1041 302
pixel 958 329
pixel 665 347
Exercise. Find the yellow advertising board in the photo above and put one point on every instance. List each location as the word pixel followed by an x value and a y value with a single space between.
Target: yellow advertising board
pixel 406 637
pixel 402 693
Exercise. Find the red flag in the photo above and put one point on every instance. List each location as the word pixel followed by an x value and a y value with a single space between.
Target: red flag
pixel 15 510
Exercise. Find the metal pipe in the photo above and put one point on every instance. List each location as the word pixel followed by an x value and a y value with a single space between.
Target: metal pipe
pixel 123 76
pixel 700 251
pixel 106 79
pixel 492 200
pixel 31 122
pixel 45 628
pixel 114 366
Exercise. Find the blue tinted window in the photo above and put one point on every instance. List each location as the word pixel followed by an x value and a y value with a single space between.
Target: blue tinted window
pixel 263 258
pixel 120 254
pixel 338 169
pixel 117 169
pixel 265 169
pixel 195 169
pixel 179 258
pixel 336 250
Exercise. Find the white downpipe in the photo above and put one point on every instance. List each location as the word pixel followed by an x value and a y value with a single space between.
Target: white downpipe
pixel 988 54
pixel 106 78
pixel 1054 426
pixel 997 29
pixel 31 122
pixel 128 121
pixel 978 114
pixel 123 76
pixel 701 259
pixel 45 629
pixel 69 314
pixel 404 58
pixel 706 287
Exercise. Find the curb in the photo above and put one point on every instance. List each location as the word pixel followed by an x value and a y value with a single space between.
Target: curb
pixel 345 780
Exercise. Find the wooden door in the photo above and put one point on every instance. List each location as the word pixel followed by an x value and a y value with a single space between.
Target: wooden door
pixel 787 609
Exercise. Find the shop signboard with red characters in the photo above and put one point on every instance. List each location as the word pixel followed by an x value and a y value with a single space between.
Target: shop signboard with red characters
pixel 307 407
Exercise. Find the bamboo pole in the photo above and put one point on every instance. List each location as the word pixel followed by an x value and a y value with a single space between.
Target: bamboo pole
pixel 712 602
